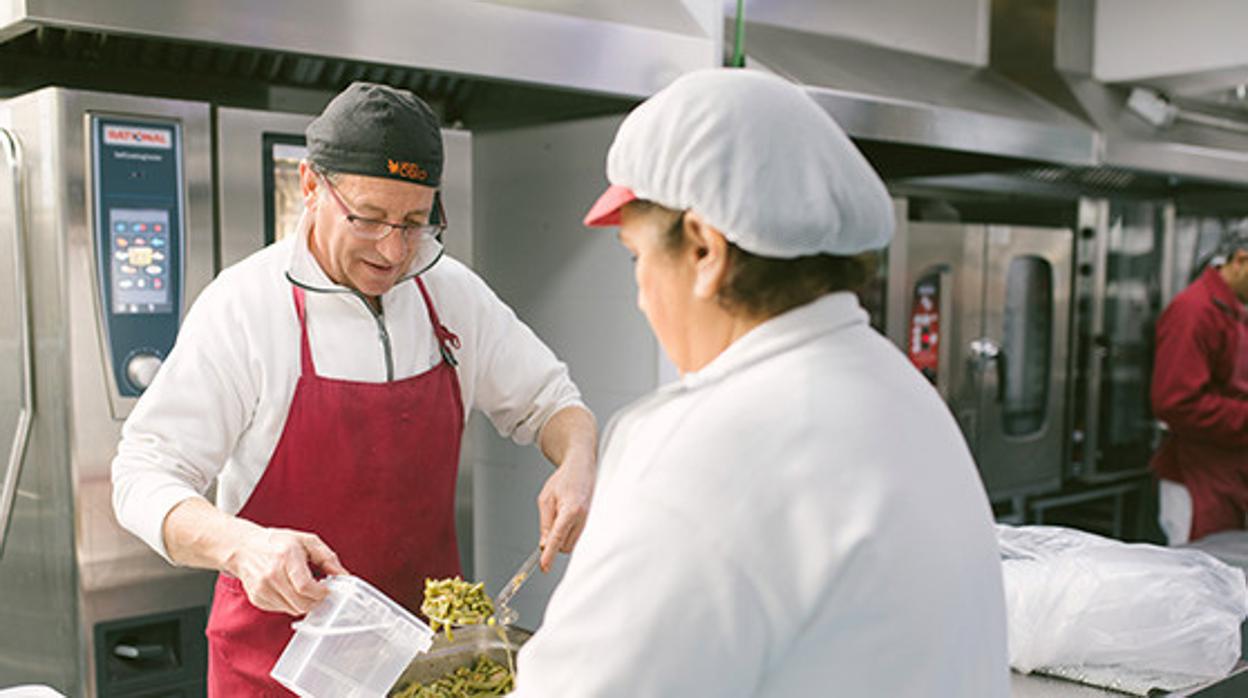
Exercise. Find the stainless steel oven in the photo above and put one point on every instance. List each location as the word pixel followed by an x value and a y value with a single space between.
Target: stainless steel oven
pixel 983 312
pixel 106 234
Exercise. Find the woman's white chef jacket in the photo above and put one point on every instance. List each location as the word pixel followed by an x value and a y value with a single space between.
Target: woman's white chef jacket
pixel 219 403
pixel 799 518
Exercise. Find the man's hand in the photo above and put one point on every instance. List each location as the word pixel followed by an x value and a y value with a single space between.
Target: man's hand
pixel 570 441
pixel 274 565
pixel 563 506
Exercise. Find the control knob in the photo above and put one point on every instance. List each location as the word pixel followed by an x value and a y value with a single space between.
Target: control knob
pixel 141 369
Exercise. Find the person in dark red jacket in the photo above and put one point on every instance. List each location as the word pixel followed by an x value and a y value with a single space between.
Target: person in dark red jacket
pixel 1200 390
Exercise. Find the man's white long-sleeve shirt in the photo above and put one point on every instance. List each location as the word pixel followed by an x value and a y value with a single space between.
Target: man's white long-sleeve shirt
pixel 219 403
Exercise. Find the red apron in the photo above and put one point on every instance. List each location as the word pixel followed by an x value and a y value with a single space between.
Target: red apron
pixel 371 469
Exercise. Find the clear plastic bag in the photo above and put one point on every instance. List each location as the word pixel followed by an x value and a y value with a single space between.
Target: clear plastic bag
pixel 1077 599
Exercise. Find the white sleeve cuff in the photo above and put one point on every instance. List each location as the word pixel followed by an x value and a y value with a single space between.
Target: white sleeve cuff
pixel 545 407
pixel 148 521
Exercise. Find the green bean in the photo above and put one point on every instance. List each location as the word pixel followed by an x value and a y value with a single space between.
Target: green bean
pixel 455 602
pixel 485 678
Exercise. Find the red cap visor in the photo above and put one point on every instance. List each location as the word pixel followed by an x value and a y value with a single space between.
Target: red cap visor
pixel 606 210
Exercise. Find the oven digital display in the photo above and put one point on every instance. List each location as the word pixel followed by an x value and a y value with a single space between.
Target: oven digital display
pixel 140 260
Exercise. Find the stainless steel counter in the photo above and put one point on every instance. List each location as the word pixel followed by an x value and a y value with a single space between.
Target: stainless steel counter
pixel 1036 686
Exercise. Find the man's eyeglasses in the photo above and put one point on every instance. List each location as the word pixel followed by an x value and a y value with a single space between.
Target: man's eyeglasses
pixel 373 229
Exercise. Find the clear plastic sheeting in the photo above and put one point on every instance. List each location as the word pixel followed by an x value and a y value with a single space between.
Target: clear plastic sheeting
pixel 1082 604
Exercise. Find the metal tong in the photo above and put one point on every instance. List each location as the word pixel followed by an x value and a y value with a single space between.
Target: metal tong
pixel 506 614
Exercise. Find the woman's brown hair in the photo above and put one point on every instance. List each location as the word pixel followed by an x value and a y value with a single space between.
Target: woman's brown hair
pixel 768 286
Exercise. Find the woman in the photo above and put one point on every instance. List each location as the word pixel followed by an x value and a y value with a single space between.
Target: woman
pixel 798 515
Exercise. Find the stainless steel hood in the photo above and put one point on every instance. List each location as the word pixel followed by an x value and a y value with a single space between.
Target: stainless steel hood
pixel 1045 46
pixel 1178 149
pixel 543 43
pixel 480 62
pixel 888 96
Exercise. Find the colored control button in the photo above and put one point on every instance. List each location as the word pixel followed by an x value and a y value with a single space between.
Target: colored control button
pixel 154 270
pixel 121 256
pixel 142 227
pixel 123 242
pixel 140 256
pixel 157 227
pixel 119 227
pixel 158 256
pixel 127 269
pixel 158 284
pixel 158 242
pixel 140 241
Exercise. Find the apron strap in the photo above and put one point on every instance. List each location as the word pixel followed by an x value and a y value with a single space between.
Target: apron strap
pixel 305 349
pixel 447 340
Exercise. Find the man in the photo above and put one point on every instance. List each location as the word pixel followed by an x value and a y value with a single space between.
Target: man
pixel 323 384
pixel 799 514
pixel 1200 390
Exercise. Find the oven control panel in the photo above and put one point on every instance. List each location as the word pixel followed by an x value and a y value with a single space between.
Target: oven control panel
pixel 137 190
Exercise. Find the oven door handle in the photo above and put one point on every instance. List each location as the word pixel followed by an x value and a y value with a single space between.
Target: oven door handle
pixel 983 352
pixel 1001 374
pixel 12 151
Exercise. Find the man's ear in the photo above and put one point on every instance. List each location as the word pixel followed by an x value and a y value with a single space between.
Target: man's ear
pixel 710 255
pixel 308 185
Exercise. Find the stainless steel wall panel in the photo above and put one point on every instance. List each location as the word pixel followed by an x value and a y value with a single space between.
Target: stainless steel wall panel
pixel 574 287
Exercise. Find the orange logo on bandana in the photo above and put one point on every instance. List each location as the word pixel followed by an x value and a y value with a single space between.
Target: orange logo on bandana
pixel 407 170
